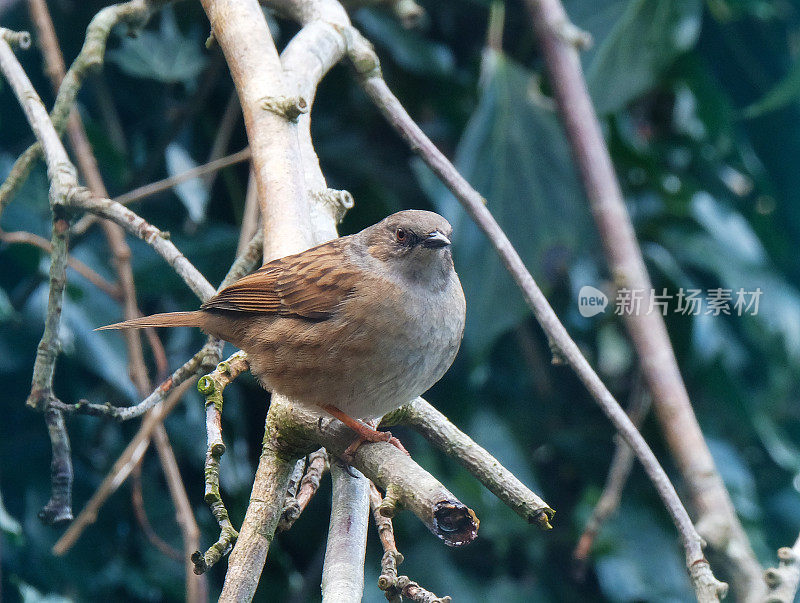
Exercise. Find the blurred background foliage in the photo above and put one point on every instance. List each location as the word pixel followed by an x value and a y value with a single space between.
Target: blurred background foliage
pixel 699 103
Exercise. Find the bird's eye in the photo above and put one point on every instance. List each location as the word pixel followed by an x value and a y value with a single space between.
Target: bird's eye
pixel 401 235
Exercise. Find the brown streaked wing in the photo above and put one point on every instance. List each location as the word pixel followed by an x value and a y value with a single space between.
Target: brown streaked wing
pixel 310 285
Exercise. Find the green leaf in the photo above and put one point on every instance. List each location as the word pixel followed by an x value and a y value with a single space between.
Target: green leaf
pixel 166 55
pixel 634 42
pixel 785 92
pixel 192 193
pixel 643 562
pixel 514 152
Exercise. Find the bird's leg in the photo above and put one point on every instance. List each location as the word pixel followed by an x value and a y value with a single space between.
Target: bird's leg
pixel 364 431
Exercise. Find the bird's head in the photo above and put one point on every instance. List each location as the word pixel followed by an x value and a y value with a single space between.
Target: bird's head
pixel 415 244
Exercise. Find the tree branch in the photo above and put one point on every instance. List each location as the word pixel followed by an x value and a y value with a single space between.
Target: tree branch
pixel 135 13
pixel 717 520
pixel 121 469
pixel 343 569
pixel 783 581
pixel 438 430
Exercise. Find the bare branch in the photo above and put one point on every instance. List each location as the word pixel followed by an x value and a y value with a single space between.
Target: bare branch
pixel 396 587
pixel 343 569
pixel 437 429
pixel 121 469
pixel 621 465
pixel 196 586
pixel 717 520
pixel 212 387
pixel 137 501
pixel 136 14
pixel 783 581
pixel 28 238
pixel 148 190
pixel 406 484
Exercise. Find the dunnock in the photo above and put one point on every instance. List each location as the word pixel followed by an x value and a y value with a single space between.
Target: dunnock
pixel 357 326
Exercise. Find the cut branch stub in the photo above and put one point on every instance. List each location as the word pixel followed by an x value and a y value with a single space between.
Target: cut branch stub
pixel 406 483
pixel 455 523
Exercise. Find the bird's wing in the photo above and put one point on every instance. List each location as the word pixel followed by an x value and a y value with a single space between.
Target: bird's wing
pixel 311 285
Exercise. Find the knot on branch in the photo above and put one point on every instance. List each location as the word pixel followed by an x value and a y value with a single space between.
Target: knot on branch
pixel 573 35
pixel 361 53
pixel 339 201
pixel 16 39
pixel 410 13
pixel 290 107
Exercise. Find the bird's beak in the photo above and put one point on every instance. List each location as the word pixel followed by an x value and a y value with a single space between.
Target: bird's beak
pixel 435 240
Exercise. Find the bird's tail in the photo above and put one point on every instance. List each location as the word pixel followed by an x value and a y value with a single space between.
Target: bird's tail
pixel 169 319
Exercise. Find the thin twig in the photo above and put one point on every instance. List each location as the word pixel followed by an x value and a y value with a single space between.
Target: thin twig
pixel 28 238
pixel 396 587
pixel 125 413
pixel 620 469
pixel 196 586
pixel 121 470
pixel 296 502
pixel 212 387
pixel 222 138
pixel 148 190
pixel 137 502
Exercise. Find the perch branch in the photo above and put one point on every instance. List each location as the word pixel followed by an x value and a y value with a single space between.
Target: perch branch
pixel 407 484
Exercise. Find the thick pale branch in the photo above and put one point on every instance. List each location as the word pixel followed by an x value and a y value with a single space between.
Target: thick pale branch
pixel 343 569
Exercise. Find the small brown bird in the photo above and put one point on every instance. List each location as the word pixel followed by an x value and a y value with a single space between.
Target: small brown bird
pixel 357 326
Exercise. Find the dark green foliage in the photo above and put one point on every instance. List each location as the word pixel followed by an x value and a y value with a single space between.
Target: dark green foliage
pixel 699 102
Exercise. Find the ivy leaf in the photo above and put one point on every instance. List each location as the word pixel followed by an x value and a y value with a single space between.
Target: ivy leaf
pixel 165 55
pixel 634 42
